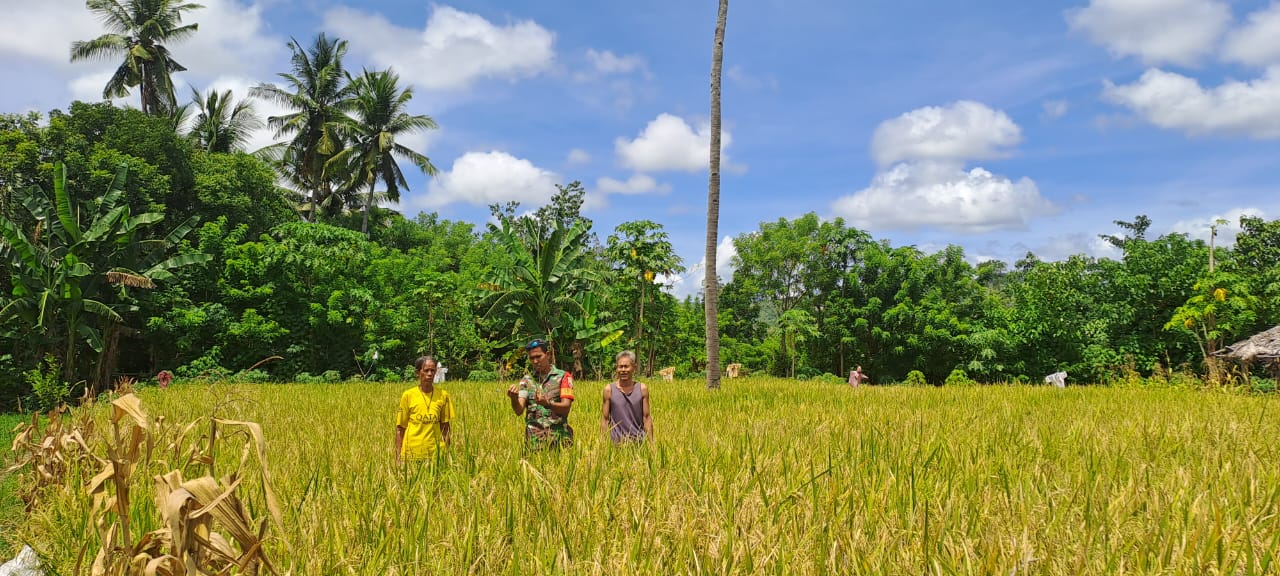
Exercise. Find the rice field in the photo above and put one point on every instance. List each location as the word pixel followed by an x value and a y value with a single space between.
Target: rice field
pixel 765 476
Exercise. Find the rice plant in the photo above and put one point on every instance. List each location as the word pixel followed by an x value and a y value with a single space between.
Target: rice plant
pixel 765 476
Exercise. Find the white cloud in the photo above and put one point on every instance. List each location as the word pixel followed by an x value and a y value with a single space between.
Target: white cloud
pixel 45 30
pixel 482 178
pixel 578 156
pixel 637 184
pixel 1174 101
pixel 669 143
pixel 606 62
pixel 692 281
pixel 1156 31
pixel 453 51
pixel 964 130
pixel 944 195
pixel 1226 236
pixel 1062 246
pixel 1257 43
pixel 88 88
pixel 232 41
pixel 1055 108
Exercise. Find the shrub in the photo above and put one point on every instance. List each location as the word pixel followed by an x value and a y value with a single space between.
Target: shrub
pixel 482 376
pixel 1262 386
pixel 830 378
pixel 47 387
pixel 915 378
pixel 958 377
pixel 249 377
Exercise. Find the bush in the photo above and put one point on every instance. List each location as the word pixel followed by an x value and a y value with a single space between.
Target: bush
pixel 482 376
pixel 249 377
pixel 915 378
pixel 47 388
pixel 204 367
pixel 830 378
pixel 1262 386
pixel 958 377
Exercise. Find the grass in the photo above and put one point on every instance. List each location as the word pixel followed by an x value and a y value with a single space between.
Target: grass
pixel 766 476
pixel 11 511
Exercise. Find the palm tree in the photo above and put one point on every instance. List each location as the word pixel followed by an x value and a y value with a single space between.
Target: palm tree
pixel 316 90
pixel 712 288
pixel 221 124
pixel 138 32
pixel 378 117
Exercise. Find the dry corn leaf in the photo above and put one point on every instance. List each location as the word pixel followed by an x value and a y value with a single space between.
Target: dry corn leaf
pixel 128 404
pixel 273 505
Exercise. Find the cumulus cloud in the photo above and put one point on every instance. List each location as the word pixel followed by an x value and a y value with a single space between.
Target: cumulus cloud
pixel 578 157
pixel 606 62
pixel 944 195
pixel 1174 101
pixel 453 50
pixel 483 178
pixel 923 181
pixel 637 184
pixel 691 282
pixel 964 130
pixel 45 30
pixel 1257 43
pixel 1226 235
pixel 668 143
pixel 1155 31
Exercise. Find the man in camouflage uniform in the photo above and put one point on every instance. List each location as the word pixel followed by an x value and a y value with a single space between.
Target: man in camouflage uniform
pixel 544 399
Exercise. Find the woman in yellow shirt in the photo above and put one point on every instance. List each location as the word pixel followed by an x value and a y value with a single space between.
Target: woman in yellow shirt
pixel 422 421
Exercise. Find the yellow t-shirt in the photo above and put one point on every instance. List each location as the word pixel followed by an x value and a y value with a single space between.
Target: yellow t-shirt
pixel 420 414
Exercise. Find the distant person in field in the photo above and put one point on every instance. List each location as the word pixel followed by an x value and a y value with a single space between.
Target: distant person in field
pixel 544 399
pixel 857 377
pixel 626 404
pixel 424 416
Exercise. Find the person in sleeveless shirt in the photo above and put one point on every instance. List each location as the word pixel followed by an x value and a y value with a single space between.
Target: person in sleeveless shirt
pixel 626 404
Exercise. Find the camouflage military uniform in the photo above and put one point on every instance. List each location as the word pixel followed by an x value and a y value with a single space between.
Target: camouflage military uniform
pixel 543 427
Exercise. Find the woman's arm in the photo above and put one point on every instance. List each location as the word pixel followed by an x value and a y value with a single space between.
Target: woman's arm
pixel 399 442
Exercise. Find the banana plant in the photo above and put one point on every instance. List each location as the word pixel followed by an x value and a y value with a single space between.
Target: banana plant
pixel 73 266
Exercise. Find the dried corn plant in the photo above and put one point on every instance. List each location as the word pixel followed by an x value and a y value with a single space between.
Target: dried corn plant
pixel 205 528
pixel 48 454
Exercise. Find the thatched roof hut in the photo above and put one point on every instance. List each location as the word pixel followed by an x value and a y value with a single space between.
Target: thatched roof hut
pixel 1262 347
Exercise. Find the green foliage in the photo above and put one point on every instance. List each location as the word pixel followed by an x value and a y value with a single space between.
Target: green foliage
pixel 48 389
pixel 958 377
pixel 915 378
pixel 482 376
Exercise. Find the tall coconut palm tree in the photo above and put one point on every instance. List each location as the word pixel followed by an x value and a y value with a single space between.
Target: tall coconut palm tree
pixel 378 117
pixel 317 91
pixel 139 31
pixel 712 288
pixel 221 124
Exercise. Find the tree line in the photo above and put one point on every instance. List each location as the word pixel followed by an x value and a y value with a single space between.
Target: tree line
pixel 144 240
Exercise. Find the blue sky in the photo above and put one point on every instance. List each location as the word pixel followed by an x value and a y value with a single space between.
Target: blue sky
pixel 1000 126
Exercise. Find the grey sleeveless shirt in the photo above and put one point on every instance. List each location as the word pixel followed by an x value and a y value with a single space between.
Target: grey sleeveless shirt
pixel 626 414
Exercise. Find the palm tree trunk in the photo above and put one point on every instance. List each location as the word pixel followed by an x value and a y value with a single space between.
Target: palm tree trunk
pixel 367 204
pixel 712 287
